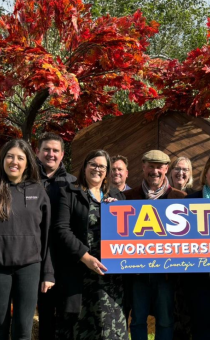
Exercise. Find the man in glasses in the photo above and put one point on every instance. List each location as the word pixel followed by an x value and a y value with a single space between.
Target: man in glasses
pixel 50 152
pixel 119 172
pixel 153 290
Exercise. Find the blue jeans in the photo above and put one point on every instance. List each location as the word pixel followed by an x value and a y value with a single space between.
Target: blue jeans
pixel 156 291
pixel 21 285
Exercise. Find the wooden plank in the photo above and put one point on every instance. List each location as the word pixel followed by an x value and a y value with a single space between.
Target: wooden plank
pixel 186 137
pixel 129 135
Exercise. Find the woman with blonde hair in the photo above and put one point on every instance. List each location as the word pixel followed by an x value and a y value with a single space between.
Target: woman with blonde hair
pixel 180 177
pixel 180 174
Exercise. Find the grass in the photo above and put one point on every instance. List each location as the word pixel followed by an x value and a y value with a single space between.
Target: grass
pixel 151 336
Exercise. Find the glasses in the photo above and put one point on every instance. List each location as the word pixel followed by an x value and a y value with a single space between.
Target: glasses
pixel 100 167
pixel 181 169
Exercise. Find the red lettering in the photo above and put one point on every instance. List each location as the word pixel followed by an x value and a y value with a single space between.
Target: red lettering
pixel 122 212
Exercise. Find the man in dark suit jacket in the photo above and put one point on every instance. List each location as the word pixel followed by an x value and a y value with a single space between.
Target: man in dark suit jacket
pixel 153 290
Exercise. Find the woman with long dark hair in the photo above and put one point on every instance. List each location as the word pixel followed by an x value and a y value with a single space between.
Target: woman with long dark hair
pixel 91 302
pixel 24 230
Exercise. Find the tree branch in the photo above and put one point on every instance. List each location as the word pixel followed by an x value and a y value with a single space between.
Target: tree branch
pixel 17 106
pixel 162 56
pixel 32 112
pixel 12 121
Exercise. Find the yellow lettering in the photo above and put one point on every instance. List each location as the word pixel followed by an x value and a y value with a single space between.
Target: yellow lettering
pixel 149 220
pixel 202 211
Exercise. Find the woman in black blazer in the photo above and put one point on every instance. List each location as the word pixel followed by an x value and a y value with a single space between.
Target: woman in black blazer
pixel 92 303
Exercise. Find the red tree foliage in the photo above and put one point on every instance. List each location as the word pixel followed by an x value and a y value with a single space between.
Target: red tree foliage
pixel 185 87
pixel 60 68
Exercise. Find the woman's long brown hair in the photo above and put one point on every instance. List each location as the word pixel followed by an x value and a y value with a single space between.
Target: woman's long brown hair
pixel 31 173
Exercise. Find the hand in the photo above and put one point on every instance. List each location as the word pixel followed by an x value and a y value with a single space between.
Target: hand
pixel 46 285
pixel 93 263
pixel 110 199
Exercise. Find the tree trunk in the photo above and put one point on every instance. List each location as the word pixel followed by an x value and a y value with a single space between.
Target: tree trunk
pixel 32 112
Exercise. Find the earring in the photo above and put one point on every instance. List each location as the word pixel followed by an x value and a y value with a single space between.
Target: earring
pixel 105 180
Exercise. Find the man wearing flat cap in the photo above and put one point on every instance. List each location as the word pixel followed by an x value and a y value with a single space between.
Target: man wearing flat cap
pixel 154 291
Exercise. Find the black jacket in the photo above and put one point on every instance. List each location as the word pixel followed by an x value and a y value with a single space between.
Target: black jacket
pixel 197 194
pixel 71 229
pixel 52 184
pixel 24 236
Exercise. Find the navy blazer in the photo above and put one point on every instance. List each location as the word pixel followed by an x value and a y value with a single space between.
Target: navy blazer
pixel 197 194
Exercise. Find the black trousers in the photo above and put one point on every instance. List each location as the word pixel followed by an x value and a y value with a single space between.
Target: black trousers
pixel 47 308
pixel 21 285
pixel 197 292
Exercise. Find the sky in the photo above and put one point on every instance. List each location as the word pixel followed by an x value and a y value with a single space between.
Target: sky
pixel 8 4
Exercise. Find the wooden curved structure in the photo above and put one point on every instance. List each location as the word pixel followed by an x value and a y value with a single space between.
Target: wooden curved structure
pixel 177 134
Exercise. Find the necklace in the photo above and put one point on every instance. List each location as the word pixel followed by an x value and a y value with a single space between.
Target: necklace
pixel 206 191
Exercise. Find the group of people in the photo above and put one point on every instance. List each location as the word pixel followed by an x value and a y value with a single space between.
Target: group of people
pixel 50 246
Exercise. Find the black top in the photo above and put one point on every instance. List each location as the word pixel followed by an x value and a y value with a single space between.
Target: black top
pixel 197 194
pixel 24 236
pixel 52 184
pixel 71 234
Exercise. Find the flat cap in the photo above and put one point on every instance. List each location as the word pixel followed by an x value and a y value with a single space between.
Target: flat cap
pixel 156 156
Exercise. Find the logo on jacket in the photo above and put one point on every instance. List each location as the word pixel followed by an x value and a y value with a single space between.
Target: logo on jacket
pixel 32 197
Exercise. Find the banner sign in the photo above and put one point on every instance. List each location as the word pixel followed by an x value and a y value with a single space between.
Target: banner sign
pixel 156 236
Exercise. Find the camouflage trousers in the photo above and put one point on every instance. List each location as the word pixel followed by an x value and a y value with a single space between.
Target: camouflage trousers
pixel 102 316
